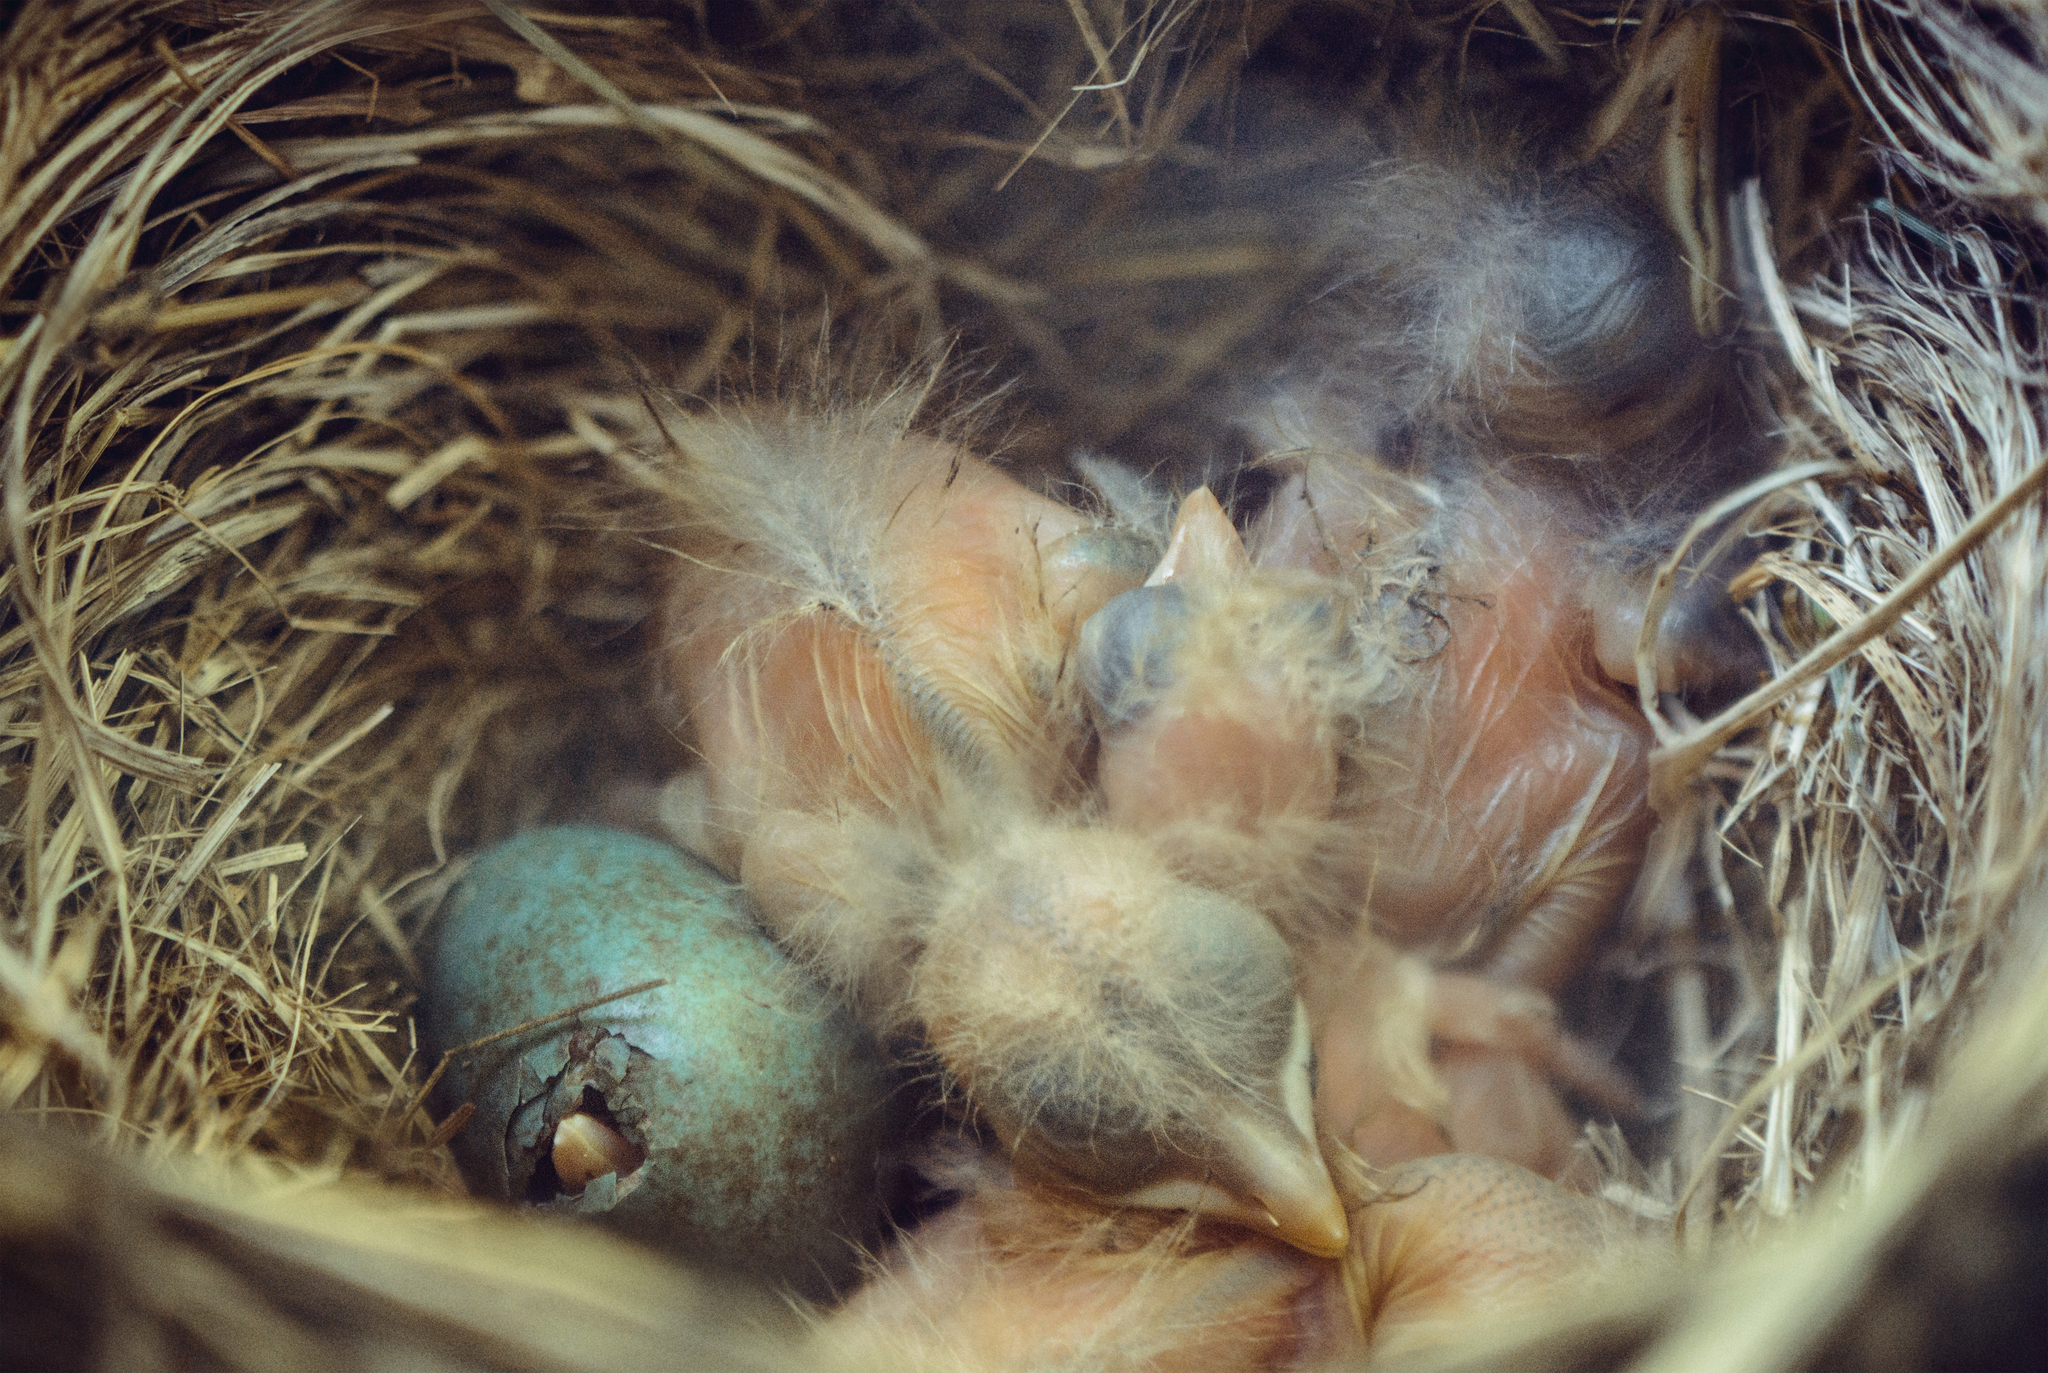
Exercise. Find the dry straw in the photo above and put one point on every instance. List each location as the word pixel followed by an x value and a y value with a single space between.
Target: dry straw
pixel 324 332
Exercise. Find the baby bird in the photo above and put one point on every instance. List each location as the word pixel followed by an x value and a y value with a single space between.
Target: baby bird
pixel 1388 704
pixel 1503 821
pixel 1552 311
pixel 1009 1278
pixel 868 632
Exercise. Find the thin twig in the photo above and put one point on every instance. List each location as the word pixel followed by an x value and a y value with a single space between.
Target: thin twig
pixel 538 1022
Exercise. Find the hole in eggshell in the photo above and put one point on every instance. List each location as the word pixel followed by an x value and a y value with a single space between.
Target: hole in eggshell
pixel 587 1144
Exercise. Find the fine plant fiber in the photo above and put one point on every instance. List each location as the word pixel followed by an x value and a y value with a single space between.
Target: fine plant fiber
pixel 327 341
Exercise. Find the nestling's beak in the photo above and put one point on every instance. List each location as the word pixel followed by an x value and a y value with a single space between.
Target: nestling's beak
pixel 1264 1170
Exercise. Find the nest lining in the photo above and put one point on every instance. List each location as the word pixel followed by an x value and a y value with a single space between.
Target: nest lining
pixel 317 367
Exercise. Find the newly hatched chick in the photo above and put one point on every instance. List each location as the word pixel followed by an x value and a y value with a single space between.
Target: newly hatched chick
pixel 1009 1279
pixel 867 632
pixel 1383 725
pixel 1504 821
pixel 1551 310
pixel 1500 833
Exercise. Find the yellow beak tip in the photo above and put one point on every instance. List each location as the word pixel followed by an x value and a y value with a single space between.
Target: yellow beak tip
pixel 1324 1237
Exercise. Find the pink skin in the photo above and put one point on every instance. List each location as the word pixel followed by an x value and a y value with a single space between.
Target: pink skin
pixel 818 721
pixel 1019 1281
pixel 1230 742
pixel 1527 776
pixel 1500 815
pixel 1011 1279
pixel 1517 800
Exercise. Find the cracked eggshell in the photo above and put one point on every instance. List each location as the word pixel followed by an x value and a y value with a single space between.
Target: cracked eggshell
pixel 767 1115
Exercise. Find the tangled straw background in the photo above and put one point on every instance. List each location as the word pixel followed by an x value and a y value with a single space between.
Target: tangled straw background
pixel 325 332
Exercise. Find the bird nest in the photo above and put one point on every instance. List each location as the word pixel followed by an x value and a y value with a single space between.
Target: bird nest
pixel 324 328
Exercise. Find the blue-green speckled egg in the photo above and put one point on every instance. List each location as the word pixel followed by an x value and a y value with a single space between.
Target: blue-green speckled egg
pixel 765 1112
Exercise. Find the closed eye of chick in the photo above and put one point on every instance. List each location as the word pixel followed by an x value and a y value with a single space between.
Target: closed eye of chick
pixel 868 633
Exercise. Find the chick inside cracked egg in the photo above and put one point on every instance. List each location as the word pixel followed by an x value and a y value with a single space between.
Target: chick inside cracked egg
pixel 735 1116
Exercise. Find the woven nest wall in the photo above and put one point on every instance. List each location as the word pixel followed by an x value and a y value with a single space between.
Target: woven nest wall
pixel 327 332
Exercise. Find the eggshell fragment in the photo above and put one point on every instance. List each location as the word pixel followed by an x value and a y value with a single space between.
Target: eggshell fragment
pixel 766 1118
